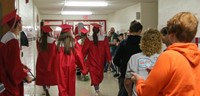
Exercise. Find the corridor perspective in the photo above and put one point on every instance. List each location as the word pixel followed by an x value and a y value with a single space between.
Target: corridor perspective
pixel 99 48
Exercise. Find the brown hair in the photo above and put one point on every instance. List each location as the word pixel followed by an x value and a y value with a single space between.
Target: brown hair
pixel 151 42
pixel 68 41
pixel 184 26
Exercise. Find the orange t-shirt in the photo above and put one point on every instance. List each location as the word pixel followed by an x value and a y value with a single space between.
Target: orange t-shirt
pixel 176 73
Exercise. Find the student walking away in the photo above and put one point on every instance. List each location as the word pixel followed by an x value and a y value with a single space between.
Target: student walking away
pixel 81 41
pixel 68 55
pixel 177 70
pixel 125 50
pixel 14 72
pixel 96 48
pixel 46 63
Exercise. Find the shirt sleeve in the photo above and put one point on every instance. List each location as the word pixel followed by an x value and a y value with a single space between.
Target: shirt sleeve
pixel 132 66
pixel 157 79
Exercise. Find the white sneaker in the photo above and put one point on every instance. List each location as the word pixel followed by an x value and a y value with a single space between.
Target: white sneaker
pixel 96 92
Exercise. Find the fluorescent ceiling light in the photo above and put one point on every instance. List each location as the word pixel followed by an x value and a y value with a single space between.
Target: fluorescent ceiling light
pixel 76 13
pixel 86 4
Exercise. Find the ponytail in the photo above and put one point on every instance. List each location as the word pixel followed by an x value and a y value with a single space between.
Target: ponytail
pixel 95 37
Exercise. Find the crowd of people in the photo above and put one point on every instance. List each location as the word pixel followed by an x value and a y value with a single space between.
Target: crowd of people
pixel 137 57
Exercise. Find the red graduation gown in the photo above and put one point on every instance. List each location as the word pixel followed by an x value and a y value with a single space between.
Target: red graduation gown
pixel 67 71
pixel 14 74
pixel 46 66
pixel 1 59
pixel 96 58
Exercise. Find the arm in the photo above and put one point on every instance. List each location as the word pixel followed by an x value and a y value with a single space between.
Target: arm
pixel 108 55
pixel 80 59
pixel 118 55
pixel 128 84
pixel 157 79
pixel 13 65
pixel 85 48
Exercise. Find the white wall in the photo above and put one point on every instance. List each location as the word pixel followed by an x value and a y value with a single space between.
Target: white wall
pixel 28 12
pixel 121 19
pixel 168 8
pixel 149 15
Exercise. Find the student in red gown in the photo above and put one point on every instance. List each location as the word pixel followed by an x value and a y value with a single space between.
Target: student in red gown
pixel 14 72
pixel 68 56
pixel 96 48
pixel 46 67
pixel 81 41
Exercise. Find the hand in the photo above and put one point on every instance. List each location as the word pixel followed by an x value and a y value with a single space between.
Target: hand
pixel 84 72
pixel 148 70
pixel 135 77
pixel 28 79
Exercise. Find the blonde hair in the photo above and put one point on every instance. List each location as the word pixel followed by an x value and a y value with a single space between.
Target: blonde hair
pixel 151 42
pixel 68 41
pixel 184 26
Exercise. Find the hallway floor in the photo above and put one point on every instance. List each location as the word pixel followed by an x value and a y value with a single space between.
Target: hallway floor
pixel 109 86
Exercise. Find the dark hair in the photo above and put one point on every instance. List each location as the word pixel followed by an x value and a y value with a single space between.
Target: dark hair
pixel 164 31
pixel 121 34
pixel 184 26
pixel 95 37
pixel 133 22
pixel 68 41
pixel 43 41
pixel 135 26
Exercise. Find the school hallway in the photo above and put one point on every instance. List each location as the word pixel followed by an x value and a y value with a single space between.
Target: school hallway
pixel 109 86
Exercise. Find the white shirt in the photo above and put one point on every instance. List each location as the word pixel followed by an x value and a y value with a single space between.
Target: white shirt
pixel 139 62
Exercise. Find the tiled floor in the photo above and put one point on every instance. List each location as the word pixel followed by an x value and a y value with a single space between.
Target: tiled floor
pixel 109 86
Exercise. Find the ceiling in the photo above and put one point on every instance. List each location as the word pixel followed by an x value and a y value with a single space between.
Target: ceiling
pixel 54 7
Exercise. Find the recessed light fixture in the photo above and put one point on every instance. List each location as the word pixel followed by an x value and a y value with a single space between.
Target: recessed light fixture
pixel 86 3
pixel 76 13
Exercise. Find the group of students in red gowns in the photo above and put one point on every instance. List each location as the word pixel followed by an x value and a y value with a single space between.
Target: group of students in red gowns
pixel 57 59
pixel 63 58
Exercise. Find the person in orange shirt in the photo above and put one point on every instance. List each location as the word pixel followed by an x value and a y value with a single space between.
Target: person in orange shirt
pixel 177 70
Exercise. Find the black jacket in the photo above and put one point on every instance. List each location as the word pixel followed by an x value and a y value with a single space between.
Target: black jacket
pixel 125 50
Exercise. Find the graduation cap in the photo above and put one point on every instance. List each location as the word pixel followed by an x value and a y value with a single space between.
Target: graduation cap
pixel 46 29
pixel 11 18
pixel 66 28
pixel 96 26
pixel 84 31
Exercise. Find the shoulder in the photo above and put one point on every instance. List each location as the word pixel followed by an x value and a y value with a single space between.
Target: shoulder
pixel 137 55
pixel 7 37
pixel 50 40
pixel 100 38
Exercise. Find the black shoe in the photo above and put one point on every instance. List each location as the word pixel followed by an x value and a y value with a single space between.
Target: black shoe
pixel 115 75
pixel 47 92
